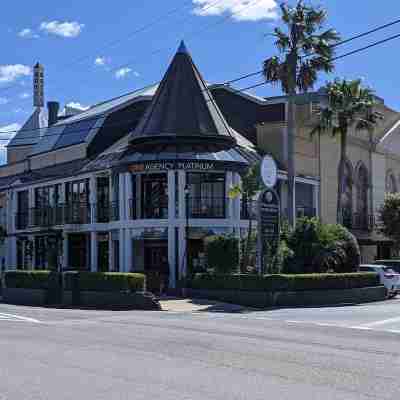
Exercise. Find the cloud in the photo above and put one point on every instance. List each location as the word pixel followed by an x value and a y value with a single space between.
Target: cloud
pixel 100 61
pixel 10 73
pixel 240 10
pixel 3 101
pixel 24 95
pixel 28 33
pixel 7 132
pixel 77 106
pixel 64 29
pixel 122 72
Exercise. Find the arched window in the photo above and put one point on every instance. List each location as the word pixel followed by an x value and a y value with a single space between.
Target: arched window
pixel 391 186
pixel 347 195
pixel 362 216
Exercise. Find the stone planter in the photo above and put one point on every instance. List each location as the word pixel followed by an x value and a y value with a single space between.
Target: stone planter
pixel 30 297
pixel 292 299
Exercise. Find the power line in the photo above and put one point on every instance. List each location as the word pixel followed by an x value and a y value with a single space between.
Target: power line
pixel 129 36
pixel 216 86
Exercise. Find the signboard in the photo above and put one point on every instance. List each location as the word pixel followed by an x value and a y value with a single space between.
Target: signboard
pixel 172 165
pixel 268 226
pixel 269 172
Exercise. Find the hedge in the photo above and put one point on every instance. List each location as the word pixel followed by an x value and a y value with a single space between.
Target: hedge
pixel 43 280
pixel 105 281
pixel 281 283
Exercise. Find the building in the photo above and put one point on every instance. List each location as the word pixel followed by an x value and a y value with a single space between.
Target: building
pixel 144 177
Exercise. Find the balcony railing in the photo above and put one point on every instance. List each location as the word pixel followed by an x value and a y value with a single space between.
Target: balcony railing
pixel 206 207
pixel 22 220
pixel 358 221
pixel 107 212
pixel 157 209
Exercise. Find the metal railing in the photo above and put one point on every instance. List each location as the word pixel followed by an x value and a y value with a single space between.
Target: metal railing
pixel 155 210
pixel 206 207
pixel 358 221
pixel 107 212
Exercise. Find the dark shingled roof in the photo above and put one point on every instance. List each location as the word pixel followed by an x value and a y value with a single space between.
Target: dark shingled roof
pixel 183 109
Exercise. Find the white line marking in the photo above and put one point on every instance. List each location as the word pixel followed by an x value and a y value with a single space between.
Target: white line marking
pixel 379 323
pixel 13 317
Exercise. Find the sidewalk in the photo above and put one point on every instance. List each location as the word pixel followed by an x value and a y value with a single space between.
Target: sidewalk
pixel 199 305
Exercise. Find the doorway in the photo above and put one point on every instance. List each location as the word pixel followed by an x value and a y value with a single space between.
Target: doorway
pixel 78 251
pixel 154 254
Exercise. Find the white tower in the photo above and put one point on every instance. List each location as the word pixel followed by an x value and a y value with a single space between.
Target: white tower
pixel 38 86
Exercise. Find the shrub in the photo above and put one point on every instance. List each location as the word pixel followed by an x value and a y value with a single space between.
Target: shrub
pixel 273 283
pixel 319 248
pixel 222 253
pixel 105 281
pixel 31 279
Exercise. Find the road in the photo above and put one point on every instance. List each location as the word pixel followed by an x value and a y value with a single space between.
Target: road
pixel 311 353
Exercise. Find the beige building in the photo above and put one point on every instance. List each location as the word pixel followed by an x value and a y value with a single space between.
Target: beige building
pixel 372 168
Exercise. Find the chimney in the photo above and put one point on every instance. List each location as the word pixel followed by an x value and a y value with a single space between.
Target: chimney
pixel 38 86
pixel 53 107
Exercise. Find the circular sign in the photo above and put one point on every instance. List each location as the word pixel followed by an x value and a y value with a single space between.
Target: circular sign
pixel 269 171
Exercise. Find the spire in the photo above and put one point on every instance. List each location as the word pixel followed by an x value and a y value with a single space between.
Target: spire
pixel 182 48
pixel 183 109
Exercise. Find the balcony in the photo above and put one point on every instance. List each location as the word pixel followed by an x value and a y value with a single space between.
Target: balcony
pixel 157 209
pixel 358 221
pixel 107 212
pixel 206 207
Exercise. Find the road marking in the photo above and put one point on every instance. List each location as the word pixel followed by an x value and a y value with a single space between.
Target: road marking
pixel 13 317
pixel 378 323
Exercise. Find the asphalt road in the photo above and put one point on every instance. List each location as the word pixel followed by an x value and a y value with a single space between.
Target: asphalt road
pixel 313 353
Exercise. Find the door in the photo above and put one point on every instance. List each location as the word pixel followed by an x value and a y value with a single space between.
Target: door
pixel 154 254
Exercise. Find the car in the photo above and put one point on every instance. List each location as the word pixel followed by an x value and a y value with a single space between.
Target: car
pixel 387 276
pixel 394 264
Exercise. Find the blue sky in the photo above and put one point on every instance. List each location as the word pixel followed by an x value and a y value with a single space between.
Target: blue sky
pixel 92 53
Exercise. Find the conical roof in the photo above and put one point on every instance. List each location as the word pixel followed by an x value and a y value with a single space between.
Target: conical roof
pixel 183 109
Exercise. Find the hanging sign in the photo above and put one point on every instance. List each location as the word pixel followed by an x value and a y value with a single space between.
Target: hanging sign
pixel 269 172
pixel 268 226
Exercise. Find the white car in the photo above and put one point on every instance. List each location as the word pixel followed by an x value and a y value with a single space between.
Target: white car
pixel 388 278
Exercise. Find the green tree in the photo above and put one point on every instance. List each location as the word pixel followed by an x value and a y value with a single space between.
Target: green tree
pixel 305 50
pixel 349 105
pixel 389 215
pixel 249 187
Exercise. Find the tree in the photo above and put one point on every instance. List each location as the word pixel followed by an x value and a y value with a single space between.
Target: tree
pixel 250 186
pixel 305 50
pixel 389 215
pixel 349 104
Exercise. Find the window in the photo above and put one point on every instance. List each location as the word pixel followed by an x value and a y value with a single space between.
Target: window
pixel 206 195
pixel 347 195
pixel 77 192
pixel 155 196
pixel 391 186
pixel 362 198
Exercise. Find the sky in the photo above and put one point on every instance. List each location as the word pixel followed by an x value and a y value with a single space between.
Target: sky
pixel 92 54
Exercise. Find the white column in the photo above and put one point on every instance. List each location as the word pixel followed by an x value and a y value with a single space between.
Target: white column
pixel 122 197
pixel 138 194
pixel 171 257
pixel 128 251
pixel 122 250
pixel 93 197
pixel 93 252
pixel 182 200
pixel 171 196
pixel 110 252
pixel 182 253
pixel 316 200
pixel 65 255
pixel 228 202
pixel 128 194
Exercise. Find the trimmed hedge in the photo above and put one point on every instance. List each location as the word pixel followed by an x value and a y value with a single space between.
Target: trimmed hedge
pixel 43 280
pixel 105 281
pixel 281 283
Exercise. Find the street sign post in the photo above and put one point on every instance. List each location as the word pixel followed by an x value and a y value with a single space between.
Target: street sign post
pixel 269 213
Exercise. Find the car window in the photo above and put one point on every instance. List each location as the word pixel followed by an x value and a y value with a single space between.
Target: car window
pixel 388 270
pixel 367 269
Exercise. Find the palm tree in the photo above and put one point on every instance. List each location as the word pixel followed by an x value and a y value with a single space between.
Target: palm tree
pixel 305 50
pixel 349 105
